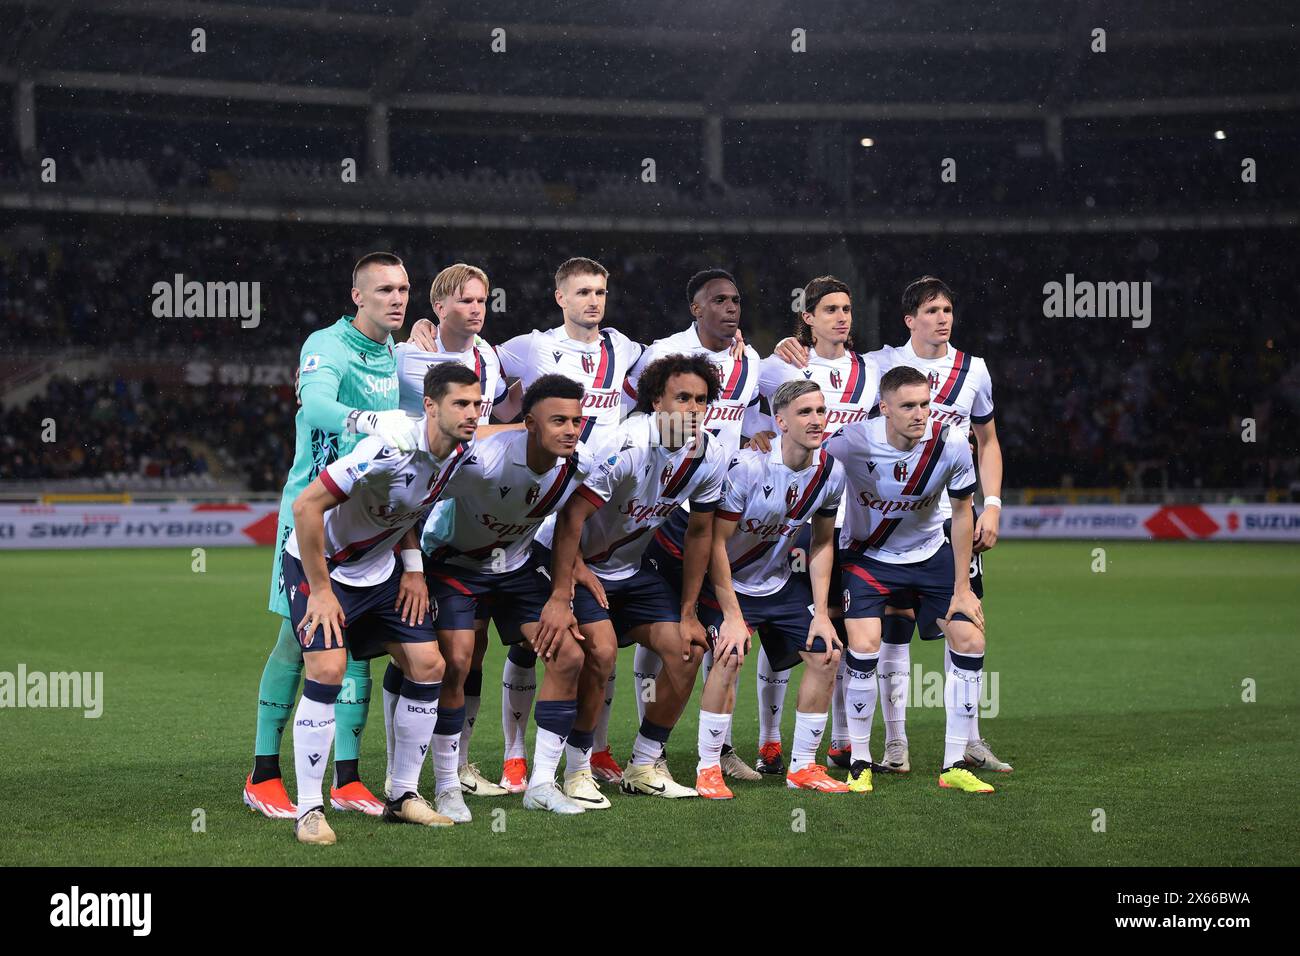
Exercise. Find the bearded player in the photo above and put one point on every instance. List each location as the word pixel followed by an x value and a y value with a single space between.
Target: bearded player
pixel 347 592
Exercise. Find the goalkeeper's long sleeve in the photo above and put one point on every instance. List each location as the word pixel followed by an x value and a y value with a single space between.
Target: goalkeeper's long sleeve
pixel 321 408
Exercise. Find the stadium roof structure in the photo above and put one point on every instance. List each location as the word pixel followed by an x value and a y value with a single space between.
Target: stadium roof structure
pixel 678 70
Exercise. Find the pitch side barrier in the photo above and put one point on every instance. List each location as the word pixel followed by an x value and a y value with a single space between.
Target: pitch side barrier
pixel 108 524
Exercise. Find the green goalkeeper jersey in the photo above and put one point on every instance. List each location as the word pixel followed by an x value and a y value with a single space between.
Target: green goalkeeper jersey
pixel 339 370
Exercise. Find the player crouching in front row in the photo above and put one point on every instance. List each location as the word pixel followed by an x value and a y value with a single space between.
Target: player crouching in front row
pixel 491 565
pixel 892 544
pixel 347 592
pixel 767 498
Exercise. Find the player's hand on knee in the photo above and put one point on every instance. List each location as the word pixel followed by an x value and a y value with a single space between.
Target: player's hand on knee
pixel 412 597
pixel 732 640
pixel 555 621
pixel 965 602
pixel 324 611
pixel 693 635
pixel 822 627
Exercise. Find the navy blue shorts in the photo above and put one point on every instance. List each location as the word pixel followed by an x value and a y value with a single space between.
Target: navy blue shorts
pixel 912 601
pixel 782 621
pixel 870 584
pixel 371 615
pixel 511 599
pixel 642 598
pixel 664 553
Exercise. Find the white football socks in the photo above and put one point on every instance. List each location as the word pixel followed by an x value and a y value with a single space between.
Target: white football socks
pixel 518 688
pixel 771 699
pixel 712 734
pixel 645 667
pixel 413 723
pixel 313 736
pixel 894 673
pixel 961 701
pixel 808 730
pixel 860 701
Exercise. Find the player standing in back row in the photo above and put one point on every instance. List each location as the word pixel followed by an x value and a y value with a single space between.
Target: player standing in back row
pixel 849 382
pixel 961 395
pixel 714 302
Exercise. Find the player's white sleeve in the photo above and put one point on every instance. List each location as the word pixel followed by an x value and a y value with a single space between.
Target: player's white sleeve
pixel 982 407
pixel 961 475
pixel 735 492
pixel 873 372
pixel 839 446
pixel 516 356
pixel 634 376
pixel 606 476
pixel 706 494
pixel 834 491
pixel 371 460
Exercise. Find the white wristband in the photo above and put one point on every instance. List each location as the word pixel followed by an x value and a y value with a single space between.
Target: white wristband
pixel 412 559
pixel 992 501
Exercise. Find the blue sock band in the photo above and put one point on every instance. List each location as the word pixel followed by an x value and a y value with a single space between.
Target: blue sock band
pixel 557 716
pixel 393 679
pixel 322 693
pixel 521 656
pixel 451 720
pixel 652 731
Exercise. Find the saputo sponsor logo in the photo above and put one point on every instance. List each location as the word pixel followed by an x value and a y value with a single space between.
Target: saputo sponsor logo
pixel 838 418
pixel 639 512
pixel 755 526
pixel 889 505
pixel 600 399
pixel 379 386
pixel 723 413
pixel 506 528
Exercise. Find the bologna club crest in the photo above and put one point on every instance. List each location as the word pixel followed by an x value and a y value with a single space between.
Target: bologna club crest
pixel 934 381
pixel 900 471
pixel 530 497
pixel 717 372
pixel 791 496
pixel 666 476
pixel 835 379
pixel 588 364
pixel 846 600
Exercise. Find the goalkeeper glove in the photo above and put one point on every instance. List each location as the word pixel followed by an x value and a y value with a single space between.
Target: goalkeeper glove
pixel 392 428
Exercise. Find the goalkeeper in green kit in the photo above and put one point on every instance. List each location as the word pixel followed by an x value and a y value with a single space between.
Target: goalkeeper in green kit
pixel 347 388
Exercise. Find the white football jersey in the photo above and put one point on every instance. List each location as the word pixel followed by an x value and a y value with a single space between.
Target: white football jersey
pixel 384 493
pixel 480 358
pixel 893 496
pixel 501 503
pixel 961 390
pixel 770 503
pixel 850 384
pixel 738 381
pixel 599 366
pixel 635 487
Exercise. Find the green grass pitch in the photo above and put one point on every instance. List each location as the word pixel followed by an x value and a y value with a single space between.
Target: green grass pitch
pixel 1120 692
